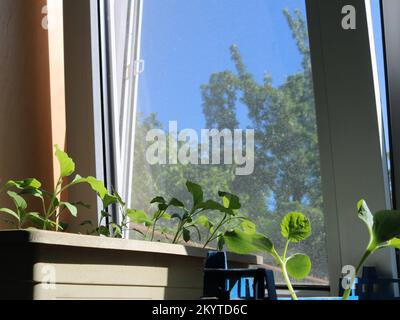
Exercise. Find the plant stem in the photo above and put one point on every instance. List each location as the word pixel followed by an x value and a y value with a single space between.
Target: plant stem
pixel 154 226
pixel 52 208
pixel 282 262
pixel 285 251
pixel 211 238
pixel 288 283
pixel 347 292
pixel 58 193
pixel 181 224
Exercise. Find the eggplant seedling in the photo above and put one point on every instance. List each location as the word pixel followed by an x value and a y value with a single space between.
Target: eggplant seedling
pixel 295 227
pixel 384 232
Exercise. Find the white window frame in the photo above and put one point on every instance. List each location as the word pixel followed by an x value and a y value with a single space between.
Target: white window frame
pixel 351 139
pixel 353 165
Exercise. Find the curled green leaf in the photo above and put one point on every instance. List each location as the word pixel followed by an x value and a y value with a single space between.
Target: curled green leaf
pixel 296 227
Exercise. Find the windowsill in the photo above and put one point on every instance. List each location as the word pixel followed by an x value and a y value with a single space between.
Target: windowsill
pixel 89 267
pixel 94 242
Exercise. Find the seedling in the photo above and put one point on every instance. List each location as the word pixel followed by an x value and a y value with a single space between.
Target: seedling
pixel 106 227
pixel 384 232
pixel 191 218
pixel 52 206
pixel 295 227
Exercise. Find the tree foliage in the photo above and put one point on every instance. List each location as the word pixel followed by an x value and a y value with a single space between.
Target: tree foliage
pixel 287 168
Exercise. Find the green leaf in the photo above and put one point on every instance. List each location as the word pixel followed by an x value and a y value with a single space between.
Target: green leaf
pixel 262 243
pixel 67 165
pixel 299 266
pixel 248 227
pixel 395 243
pixel 71 208
pixel 40 222
pixel 213 205
pixel 104 231
pixel 162 207
pixel 295 227
pixel 186 235
pixel 386 226
pixel 37 193
pixel 176 203
pixel 117 230
pixel 365 215
pixel 139 217
pixel 10 213
pixel 158 200
pixel 96 185
pixel 63 226
pixel 19 202
pixel 204 221
pixel 220 243
pixel 230 200
pixel 105 214
pixel 24 184
pixel 109 200
pixel 119 198
pixel 166 216
pixel 82 204
pixel 197 193
pixel 243 243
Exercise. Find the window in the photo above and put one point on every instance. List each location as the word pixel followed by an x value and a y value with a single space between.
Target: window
pixel 198 87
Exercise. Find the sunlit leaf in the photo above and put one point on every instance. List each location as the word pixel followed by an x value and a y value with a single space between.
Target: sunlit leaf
pixel 19 202
pixel 248 226
pixel 204 222
pixel 97 186
pixel 243 243
pixel 24 184
pixel 10 213
pixel 67 165
pixel 299 266
pixel 231 201
pixel 139 217
pixel 395 243
pixel 71 208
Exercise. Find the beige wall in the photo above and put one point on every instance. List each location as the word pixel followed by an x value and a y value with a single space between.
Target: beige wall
pixel 25 121
pixel 33 95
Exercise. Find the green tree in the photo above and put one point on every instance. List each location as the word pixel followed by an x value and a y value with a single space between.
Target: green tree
pixel 287 171
pixel 287 168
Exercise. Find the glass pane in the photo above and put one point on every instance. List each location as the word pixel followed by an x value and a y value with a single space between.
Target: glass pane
pixel 236 65
pixel 380 63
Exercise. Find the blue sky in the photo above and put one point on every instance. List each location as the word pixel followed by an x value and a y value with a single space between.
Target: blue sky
pixel 185 41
